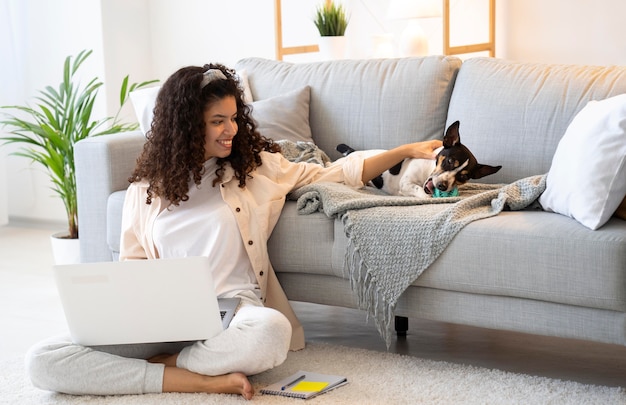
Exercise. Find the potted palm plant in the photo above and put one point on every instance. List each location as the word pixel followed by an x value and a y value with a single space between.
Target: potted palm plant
pixel 331 22
pixel 61 117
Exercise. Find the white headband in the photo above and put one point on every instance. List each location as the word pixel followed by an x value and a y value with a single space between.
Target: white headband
pixel 210 75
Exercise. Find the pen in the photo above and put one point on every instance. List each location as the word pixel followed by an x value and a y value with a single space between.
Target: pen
pixel 284 387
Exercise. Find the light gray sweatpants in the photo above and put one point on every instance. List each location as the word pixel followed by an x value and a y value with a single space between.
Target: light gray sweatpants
pixel 257 340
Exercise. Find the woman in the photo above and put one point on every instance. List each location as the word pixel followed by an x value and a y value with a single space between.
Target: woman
pixel 207 183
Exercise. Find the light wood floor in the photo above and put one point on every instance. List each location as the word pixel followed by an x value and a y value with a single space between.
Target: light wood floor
pixel 30 311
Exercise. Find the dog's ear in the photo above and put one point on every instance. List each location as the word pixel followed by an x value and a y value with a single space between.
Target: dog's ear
pixel 452 136
pixel 484 170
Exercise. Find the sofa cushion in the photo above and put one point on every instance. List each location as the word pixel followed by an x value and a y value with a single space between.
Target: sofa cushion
pixel 514 114
pixel 529 254
pixel 587 179
pixel 367 104
pixel 539 256
pixel 297 243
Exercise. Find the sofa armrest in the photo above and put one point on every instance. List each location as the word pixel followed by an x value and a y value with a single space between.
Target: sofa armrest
pixel 103 166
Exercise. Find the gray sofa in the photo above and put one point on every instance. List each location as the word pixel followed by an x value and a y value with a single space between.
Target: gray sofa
pixel 529 271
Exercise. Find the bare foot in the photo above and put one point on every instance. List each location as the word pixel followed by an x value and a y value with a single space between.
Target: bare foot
pixel 181 380
pixel 235 383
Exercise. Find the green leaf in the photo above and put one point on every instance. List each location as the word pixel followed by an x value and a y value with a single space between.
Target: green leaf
pixel 331 20
pixel 124 90
pixel 62 116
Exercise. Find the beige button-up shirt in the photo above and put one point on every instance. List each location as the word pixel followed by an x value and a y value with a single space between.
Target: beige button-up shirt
pixel 256 208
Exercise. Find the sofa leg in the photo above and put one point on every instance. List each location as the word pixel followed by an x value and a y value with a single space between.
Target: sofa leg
pixel 401 325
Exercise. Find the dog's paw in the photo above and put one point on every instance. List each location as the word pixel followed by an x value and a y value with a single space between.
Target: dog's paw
pixel 413 190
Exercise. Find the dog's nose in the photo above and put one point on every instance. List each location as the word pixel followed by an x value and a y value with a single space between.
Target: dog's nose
pixel 443 186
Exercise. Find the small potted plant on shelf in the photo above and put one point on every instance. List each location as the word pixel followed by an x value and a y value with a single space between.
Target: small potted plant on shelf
pixel 331 22
pixel 61 117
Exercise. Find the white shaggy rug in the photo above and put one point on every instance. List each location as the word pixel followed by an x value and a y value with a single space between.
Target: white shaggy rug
pixel 374 378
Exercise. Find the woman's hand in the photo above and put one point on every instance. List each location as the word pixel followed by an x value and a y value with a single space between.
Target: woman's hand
pixel 423 150
pixel 375 165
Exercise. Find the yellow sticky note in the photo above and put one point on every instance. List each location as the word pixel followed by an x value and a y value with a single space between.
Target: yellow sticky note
pixel 309 386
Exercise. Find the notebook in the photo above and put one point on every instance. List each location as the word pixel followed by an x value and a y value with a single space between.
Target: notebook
pixel 305 385
pixel 141 301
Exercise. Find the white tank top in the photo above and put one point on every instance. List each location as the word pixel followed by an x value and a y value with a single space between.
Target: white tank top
pixel 205 226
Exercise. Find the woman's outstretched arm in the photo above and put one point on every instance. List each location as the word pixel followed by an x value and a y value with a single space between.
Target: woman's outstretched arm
pixel 375 165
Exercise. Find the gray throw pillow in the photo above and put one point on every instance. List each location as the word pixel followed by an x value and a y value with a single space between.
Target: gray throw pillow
pixel 285 116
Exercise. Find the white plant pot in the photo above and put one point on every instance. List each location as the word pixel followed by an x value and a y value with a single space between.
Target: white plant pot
pixel 332 48
pixel 65 250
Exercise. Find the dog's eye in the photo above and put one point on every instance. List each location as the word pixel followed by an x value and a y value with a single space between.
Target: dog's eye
pixel 450 162
pixel 462 177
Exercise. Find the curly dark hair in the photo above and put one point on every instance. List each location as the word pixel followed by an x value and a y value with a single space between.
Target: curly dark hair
pixel 173 154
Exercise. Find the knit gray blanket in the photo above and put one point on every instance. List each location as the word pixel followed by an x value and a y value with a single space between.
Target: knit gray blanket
pixel 301 151
pixel 391 243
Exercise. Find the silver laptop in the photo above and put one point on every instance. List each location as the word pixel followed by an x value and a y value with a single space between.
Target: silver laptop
pixel 142 301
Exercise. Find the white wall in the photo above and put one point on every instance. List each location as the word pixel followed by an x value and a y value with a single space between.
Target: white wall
pixel 564 31
pixel 203 31
pixel 125 47
pixel 151 38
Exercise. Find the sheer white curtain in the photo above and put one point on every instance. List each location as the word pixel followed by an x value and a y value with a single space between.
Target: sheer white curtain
pixel 11 80
pixel 35 38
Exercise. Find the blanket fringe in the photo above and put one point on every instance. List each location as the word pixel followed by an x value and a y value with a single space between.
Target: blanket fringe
pixel 368 293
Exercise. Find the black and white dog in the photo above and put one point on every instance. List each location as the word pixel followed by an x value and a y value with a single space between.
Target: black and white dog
pixel 455 165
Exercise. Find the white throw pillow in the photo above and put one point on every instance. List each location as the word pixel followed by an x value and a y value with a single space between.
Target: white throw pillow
pixel 285 116
pixel 247 93
pixel 587 178
pixel 144 100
